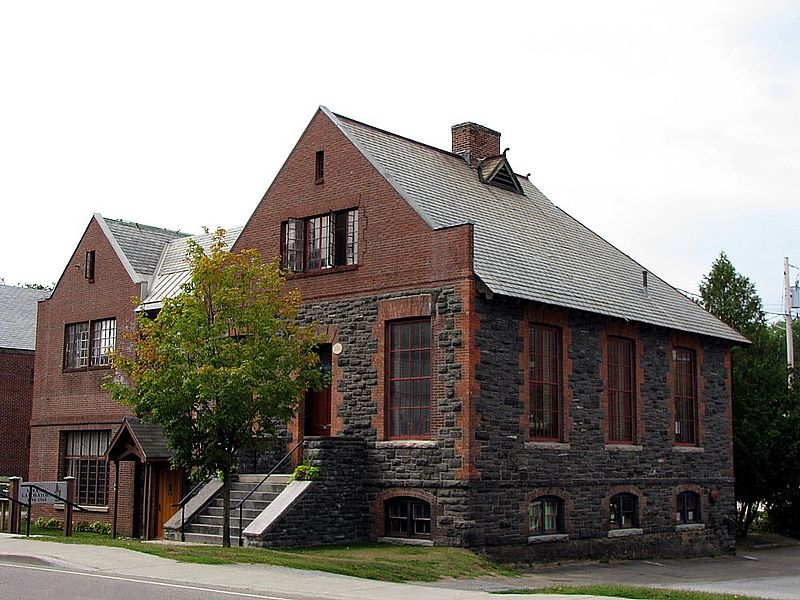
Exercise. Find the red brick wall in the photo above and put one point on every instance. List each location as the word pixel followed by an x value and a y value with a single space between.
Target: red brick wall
pixel 397 250
pixel 16 394
pixel 74 400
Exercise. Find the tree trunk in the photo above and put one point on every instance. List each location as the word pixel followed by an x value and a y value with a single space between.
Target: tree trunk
pixel 226 509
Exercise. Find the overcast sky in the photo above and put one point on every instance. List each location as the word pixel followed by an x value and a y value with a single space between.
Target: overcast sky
pixel 670 128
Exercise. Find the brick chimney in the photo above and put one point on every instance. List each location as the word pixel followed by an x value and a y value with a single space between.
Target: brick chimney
pixel 474 142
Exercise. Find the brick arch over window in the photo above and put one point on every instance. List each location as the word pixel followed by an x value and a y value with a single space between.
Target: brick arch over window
pixel 567 505
pixel 624 489
pixel 689 487
pixel 378 508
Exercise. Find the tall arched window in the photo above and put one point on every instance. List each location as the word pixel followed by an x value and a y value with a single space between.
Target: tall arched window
pixel 408 517
pixel 623 511
pixel 546 515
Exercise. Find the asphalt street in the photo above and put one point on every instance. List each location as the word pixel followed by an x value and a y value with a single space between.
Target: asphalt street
pixel 33 569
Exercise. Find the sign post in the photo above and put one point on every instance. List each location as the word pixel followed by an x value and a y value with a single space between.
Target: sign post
pixel 70 481
pixel 16 511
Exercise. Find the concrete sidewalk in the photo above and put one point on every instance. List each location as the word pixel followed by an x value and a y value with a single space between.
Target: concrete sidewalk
pixel 253 579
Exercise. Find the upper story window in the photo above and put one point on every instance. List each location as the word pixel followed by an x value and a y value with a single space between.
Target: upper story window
pixel 82 350
pixel 685 394
pixel 88 266
pixel 623 511
pixel 319 167
pixel 408 517
pixel 320 242
pixel 546 516
pixel 621 400
pixel 545 382
pixel 409 379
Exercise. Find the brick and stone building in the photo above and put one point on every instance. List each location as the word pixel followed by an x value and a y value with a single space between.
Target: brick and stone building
pixel 501 376
pixel 17 345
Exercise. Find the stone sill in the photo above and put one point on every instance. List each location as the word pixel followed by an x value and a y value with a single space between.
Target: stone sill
pixel 552 537
pixel 547 446
pixel 405 541
pixel 688 449
pixel 615 533
pixel 624 447
pixel 91 509
pixel 690 527
pixel 407 444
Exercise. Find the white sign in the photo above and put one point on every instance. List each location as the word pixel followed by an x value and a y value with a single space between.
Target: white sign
pixel 59 488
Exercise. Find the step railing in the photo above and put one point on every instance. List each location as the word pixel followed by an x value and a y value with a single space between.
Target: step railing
pixel 182 504
pixel 240 506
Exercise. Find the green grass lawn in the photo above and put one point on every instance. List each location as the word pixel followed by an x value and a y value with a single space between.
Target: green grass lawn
pixel 626 591
pixel 384 562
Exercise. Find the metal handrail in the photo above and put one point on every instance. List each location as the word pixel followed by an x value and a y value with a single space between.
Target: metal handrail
pixel 182 503
pixel 260 483
pixel 49 493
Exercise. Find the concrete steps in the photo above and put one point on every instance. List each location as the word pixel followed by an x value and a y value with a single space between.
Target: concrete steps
pixel 206 526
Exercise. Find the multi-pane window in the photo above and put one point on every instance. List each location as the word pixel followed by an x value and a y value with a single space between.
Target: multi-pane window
pixel 688 508
pixel 89 344
pixel 409 379
pixel 685 394
pixel 545 515
pixel 623 511
pixel 85 461
pixel 545 382
pixel 408 517
pixel 621 401
pixel 320 242
pixel 76 346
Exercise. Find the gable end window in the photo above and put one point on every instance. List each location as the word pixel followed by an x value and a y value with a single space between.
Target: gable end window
pixel 320 242
pixel 408 356
pixel 685 394
pixel 88 266
pixel 546 515
pixel 688 508
pixel 89 344
pixel 623 511
pixel 319 167
pixel 545 382
pixel 408 517
pixel 621 400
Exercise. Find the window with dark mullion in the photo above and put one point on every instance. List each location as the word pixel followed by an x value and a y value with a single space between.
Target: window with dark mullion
pixel 623 511
pixel 545 382
pixel 409 379
pixel 408 517
pixel 320 242
pixel 621 407
pixel 685 394
pixel 85 461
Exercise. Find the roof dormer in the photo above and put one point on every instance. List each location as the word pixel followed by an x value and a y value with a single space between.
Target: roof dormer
pixel 496 171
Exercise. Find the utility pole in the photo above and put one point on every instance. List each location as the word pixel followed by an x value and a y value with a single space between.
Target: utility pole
pixel 787 293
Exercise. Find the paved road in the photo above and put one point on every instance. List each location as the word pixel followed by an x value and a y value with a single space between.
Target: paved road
pixel 772 573
pixel 32 569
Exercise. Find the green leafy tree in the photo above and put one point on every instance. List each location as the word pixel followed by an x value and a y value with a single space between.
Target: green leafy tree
pixel 223 363
pixel 761 401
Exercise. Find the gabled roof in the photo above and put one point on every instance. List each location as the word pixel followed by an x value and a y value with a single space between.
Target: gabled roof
pixel 495 170
pixel 138 246
pixel 18 308
pixel 524 245
pixel 173 268
pixel 139 440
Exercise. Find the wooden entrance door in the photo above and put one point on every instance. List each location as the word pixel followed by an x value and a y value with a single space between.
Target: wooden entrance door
pixel 170 484
pixel 318 404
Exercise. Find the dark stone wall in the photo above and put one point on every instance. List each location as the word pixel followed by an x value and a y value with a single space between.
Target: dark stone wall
pixel 491 511
pixel 583 472
pixel 334 509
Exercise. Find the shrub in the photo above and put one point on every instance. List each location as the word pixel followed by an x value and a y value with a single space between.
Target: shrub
pixel 305 472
